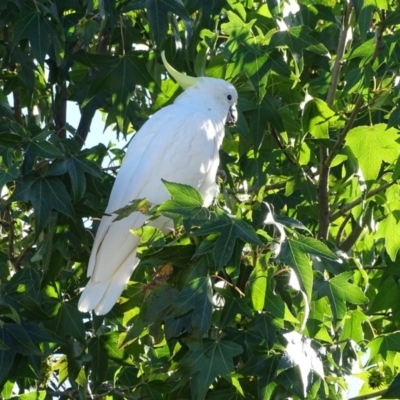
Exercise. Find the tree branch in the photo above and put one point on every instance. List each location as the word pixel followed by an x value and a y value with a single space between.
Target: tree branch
pixel 358 201
pixel 323 187
pixel 330 97
pixel 340 140
pixel 352 238
pixel 60 117
pixel 282 146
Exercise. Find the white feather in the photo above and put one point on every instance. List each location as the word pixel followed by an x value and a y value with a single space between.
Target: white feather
pixel 180 144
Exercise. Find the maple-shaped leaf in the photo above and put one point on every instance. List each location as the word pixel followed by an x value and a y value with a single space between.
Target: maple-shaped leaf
pixel 36 147
pixel 40 30
pixel 297 39
pixel 371 145
pixel 385 345
pixel 196 296
pixel 339 291
pixel 229 230
pixel 76 166
pixel 45 194
pixel 207 360
pixel 187 202
pixel 316 117
pixel 117 76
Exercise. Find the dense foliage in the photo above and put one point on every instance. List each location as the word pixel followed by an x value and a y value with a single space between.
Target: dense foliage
pixel 288 286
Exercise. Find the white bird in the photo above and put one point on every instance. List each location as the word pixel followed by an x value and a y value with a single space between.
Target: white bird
pixel 180 144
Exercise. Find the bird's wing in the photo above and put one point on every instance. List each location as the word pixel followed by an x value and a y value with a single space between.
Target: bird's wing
pixel 177 145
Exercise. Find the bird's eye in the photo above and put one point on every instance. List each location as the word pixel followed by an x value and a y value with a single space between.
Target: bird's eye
pixel 229 97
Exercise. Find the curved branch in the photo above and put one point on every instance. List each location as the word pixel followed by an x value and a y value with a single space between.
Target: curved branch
pixel 358 201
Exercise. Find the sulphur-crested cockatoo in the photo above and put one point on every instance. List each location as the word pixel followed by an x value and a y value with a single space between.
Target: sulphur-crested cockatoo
pixel 179 144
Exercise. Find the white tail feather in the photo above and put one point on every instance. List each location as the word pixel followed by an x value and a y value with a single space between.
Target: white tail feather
pixel 101 296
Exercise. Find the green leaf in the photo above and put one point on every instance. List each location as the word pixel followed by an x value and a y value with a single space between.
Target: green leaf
pixel 352 326
pixel 10 139
pixel 263 328
pixel 261 364
pixel 297 39
pixel 16 338
pixel 68 322
pixel 150 236
pixel 157 302
pixel 232 307
pixel 339 291
pixel 38 29
pixel 294 254
pixel 157 12
pixel 394 118
pixel 386 228
pixel 141 205
pixel 99 360
pixel 186 202
pixel 36 148
pixel 230 230
pixel 184 193
pixel 196 297
pixel 258 287
pixel 111 342
pixel 34 395
pixel 387 295
pixel 6 362
pixel 371 145
pixel 206 361
pixel 385 344
pixel 316 118
pixel 45 194
pixel 117 76
pixel 393 391
pixel 315 247
pixel 76 167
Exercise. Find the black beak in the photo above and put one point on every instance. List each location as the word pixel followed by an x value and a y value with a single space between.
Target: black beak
pixel 232 116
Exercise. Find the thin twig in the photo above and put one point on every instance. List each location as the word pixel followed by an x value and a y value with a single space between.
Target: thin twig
pixel 358 201
pixel 11 238
pixel 323 194
pixel 230 284
pixel 369 395
pixel 113 390
pixel 341 229
pixel 282 146
pixel 18 261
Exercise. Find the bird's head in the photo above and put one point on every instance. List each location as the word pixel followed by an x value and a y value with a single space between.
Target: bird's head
pixel 224 92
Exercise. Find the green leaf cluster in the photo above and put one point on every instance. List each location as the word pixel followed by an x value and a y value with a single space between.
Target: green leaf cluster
pixel 280 288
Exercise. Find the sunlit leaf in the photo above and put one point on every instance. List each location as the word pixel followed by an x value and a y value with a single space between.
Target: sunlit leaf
pixel 372 145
